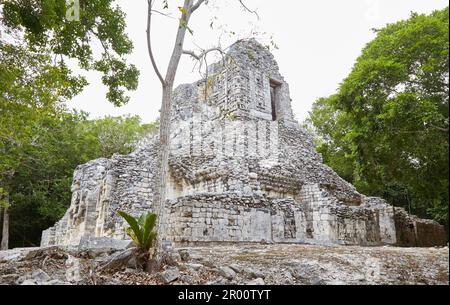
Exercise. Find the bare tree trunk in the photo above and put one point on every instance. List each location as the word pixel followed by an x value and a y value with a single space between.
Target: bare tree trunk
pixel 5 232
pixel 1 221
pixel 155 264
pixel 167 86
pixel 189 7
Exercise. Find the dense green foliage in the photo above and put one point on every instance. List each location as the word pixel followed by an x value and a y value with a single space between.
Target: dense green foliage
pixel 39 190
pixel 44 27
pixel 386 129
pixel 41 142
pixel 141 230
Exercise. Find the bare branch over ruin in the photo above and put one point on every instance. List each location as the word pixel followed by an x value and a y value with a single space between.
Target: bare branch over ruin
pixel 248 9
pixel 204 53
pixel 149 44
pixel 197 5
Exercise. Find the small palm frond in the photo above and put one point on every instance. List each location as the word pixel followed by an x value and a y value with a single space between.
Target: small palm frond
pixel 141 230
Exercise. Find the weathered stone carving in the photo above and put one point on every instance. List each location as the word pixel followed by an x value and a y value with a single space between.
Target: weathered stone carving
pixel 241 170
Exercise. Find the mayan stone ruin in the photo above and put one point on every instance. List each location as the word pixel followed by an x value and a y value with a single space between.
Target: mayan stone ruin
pixel 241 170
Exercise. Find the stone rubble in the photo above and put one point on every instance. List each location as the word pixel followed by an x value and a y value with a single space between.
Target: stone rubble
pixel 246 264
pixel 227 272
pixel 258 281
pixel 170 275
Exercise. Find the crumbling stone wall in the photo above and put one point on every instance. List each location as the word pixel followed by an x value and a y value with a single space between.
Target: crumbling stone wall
pixel 414 232
pixel 241 170
pixel 99 189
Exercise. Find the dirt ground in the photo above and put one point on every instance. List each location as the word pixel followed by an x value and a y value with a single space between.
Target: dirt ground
pixel 235 264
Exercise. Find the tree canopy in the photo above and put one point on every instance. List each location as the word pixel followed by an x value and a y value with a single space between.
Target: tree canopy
pixel 39 190
pixel 43 26
pixel 386 129
pixel 41 142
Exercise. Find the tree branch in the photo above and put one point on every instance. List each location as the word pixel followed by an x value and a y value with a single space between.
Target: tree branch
pixel 192 54
pixel 149 44
pixel 164 14
pixel 249 10
pixel 197 5
pixel 105 48
pixel 203 54
pixel 439 128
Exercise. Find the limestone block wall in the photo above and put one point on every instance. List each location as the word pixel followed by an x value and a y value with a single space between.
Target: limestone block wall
pixel 218 157
pixel 218 219
pixel 386 220
pixel 79 219
pixel 222 139
pixel 130 188
pixel 102 187
pixel 414 232
pixel 315 219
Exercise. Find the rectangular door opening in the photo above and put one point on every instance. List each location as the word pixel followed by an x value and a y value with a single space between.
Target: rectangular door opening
pixel 274 86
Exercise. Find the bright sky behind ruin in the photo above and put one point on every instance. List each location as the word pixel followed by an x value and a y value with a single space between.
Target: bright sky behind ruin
pixel 319 41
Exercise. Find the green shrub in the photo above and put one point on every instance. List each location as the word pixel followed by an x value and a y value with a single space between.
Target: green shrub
pixel 141 230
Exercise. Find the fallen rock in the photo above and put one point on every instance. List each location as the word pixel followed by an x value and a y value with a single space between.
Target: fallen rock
pixel 36 277
pixel 255 273
pixel 187 279
pixel 40 276
pixel 118 260
pixel 133 264
pixel 317 281
pixel 194 267
pixel 236 268
pixel 170 275
pixel 56 283
pixel 208 264
pixel 227 272
pixel 273 264
pixel 73 272
pixel 103 244
pixel 11 257
pixel 184 254
pixel 173 258
pixel 217 281
pixel 258 281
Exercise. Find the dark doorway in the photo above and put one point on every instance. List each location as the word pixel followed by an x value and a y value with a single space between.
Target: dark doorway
pixel 274 86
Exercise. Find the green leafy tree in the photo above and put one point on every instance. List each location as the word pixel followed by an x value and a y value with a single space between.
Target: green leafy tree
pixel 43 26
pixel 32 92
pixel 112 135
pixel 39 189
pixel 36 41
pixel 387 127
pixel 330 129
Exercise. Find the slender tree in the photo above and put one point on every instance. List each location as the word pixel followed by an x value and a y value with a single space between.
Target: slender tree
pixel 167 83
pixel 5 229
pixel 4 205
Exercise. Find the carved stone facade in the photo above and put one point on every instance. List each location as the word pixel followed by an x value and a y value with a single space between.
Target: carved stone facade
pixel 241 170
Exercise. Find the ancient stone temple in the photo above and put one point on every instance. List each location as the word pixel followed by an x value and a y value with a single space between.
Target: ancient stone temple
pixel 241 170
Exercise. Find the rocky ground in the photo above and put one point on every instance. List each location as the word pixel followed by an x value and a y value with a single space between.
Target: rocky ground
pixel 232 264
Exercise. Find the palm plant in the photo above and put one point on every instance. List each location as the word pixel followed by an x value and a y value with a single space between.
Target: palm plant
pixel 141 230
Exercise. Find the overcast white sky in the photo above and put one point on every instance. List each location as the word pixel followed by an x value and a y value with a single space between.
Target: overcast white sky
pixel 319 41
